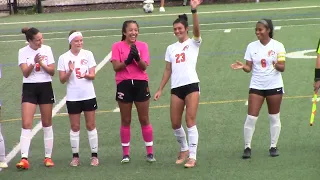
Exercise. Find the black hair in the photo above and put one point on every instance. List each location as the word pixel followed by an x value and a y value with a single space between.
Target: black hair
pixel 72 31
pixel 183 19
pixel 268 25
pixel 29 32
pixel 124 27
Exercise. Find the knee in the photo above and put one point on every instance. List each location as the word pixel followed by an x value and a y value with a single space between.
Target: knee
pixel 46 123
pixel 125 121
pixel 191 120
pixel 27 125
pixel 144 120
pixel 175 125
pixel 75 127
pixel 91 125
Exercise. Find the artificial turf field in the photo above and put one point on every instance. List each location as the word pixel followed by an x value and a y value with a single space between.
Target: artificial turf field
pixel 223 95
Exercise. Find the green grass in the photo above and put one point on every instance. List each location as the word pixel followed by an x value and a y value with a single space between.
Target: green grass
pixel 223 94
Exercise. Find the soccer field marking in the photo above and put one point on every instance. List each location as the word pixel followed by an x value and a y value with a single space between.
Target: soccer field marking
pixel 162 106
pixel 227 31
pixel 277 28
pixel 156 27
pixel 158 15
pixel 55 110
pixel 160 33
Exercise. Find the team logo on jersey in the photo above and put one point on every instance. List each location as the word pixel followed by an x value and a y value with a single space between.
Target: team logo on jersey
pixel 84 62
pixel 185 48
pixel 271 53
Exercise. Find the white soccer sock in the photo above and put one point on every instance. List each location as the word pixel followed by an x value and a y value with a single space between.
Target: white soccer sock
pixel 248 130
pixel 181 138
pixel 74 141
pixel 25 140
pixel 2 148
pixel 275 128
pixel 193 137
pixel 93 140
pixel 48 141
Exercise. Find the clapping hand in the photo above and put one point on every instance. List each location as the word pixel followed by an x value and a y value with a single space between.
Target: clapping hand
pixel 135 52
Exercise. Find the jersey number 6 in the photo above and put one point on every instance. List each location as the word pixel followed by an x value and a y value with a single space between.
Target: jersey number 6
pixel 78 73
pixel 263 63
pixel 180 57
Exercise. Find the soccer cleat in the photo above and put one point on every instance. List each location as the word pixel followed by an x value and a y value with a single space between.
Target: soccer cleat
pixel 190 163
pixel 150 158
pixel 273 152
pixel 3 165
pixel 183 155
pixel 125 159
pixel 23 164
pixel 246 153
pixel 75 162
pixel 94 161
pixel 162 9
pixel 48 162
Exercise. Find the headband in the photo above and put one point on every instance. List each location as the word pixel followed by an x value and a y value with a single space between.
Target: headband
pixel 264 22
pixel 73 35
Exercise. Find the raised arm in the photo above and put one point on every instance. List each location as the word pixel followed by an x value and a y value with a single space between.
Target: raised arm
pixel 196 28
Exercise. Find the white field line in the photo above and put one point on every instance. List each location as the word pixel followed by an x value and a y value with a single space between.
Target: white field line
pixel 55 110
pixel 158 15
pixel 159 33
pixel 156 27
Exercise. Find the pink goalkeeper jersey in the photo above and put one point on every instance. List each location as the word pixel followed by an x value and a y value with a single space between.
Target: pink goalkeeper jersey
pixel 120 52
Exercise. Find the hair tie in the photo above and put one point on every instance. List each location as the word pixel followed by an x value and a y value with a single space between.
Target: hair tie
pixel 264 22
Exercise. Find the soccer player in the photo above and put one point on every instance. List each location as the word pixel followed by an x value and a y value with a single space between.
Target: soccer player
pixel 77 68
pixel 3 163
pixel 317 70
pixel 181 59
pixel 162 9
pixel 266 59
pixel 130 59
pixel 37 65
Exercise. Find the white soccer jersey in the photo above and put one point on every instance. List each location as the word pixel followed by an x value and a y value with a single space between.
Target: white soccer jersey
pixel 264 75
pixel 183 58
pixel 38 75
pixel 78 89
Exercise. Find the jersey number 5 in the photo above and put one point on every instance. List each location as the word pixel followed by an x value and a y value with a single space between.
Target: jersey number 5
pixel 180 57
pixel 263 63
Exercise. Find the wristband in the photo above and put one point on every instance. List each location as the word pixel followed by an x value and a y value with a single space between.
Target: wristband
pixel 193 11
pixel 317 75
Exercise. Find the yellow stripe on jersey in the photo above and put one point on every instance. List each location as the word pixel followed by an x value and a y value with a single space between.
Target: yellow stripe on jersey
pixel 318 47
pixel 281 56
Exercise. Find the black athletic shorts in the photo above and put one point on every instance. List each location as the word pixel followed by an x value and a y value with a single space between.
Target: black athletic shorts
pixel 183 91
pixel 37 93
pixel 76 107
pixel 268 92
pixel 133 91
